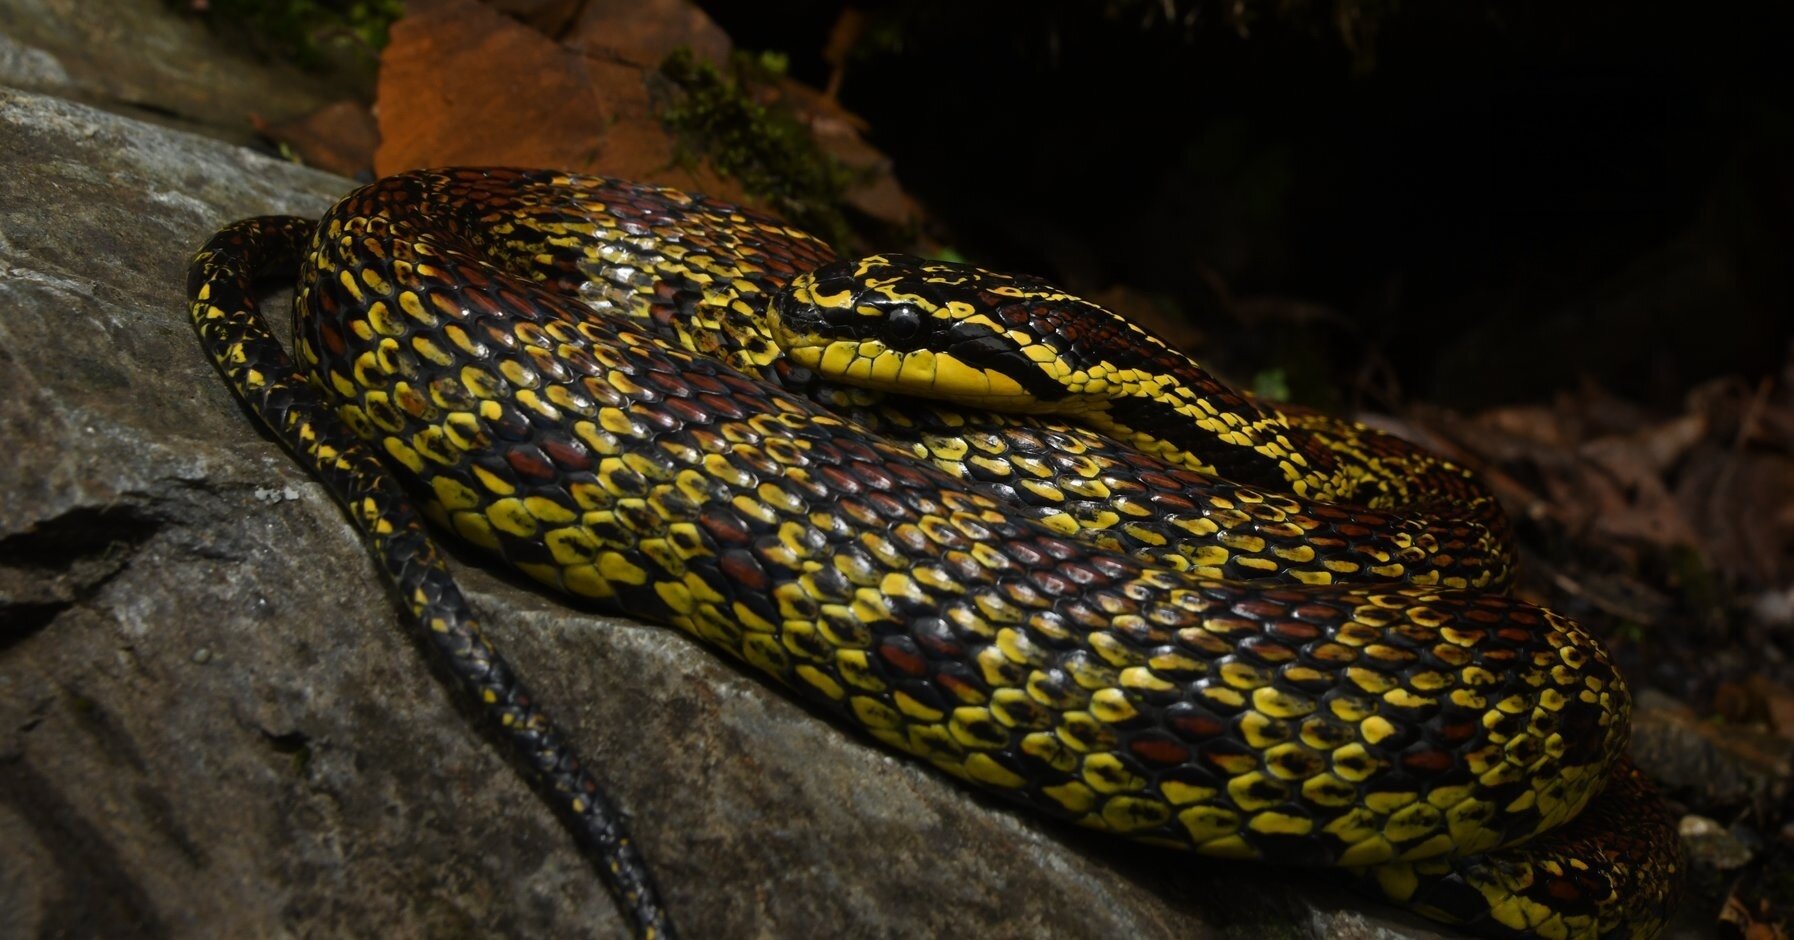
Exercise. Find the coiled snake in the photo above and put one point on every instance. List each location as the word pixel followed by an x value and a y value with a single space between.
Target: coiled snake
pixel 630 394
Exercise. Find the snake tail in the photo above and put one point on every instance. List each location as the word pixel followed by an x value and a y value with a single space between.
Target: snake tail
pixel 235 336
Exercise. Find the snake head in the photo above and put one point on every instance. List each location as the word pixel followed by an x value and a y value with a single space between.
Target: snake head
pixel 930 328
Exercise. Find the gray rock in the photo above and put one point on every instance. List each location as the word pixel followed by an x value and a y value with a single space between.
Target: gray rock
pixel 142 58
pixel 211 726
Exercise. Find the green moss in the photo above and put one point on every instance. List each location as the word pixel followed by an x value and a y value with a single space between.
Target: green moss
pixel 305 30
pixel 718 117
pixel 1271 384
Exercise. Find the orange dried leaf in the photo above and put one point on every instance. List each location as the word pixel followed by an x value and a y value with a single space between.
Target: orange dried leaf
pixel 647 31
pixel 463 84
pixel 339 137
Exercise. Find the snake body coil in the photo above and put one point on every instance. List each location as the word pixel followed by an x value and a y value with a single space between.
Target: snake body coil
pixel 580 376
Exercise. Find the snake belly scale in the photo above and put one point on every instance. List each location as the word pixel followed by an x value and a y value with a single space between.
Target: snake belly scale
pixel 578 375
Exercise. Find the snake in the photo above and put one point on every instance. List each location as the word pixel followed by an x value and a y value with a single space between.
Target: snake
pixel 989 524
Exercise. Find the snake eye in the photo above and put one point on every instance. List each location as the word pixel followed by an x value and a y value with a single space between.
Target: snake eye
pixel 904 322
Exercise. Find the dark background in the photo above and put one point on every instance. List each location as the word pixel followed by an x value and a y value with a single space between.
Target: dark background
pixel 1464 204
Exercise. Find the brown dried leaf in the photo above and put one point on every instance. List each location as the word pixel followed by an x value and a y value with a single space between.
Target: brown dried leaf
pixel 1599 412
pixel 1536 424
pixel 1718 764
pixel 1515 451
pixel 339 137
pixel 1640 507
pixel 548 17
pixel 1744 505
pixel 463 84
pixel 1777 704
pixel 1623 597
pixel 1749 924
pixel 1650 451
pixel 647 31
pixel 1745 414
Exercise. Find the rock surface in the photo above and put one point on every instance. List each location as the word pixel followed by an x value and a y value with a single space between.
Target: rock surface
pixel 211 726
pixel 141 58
